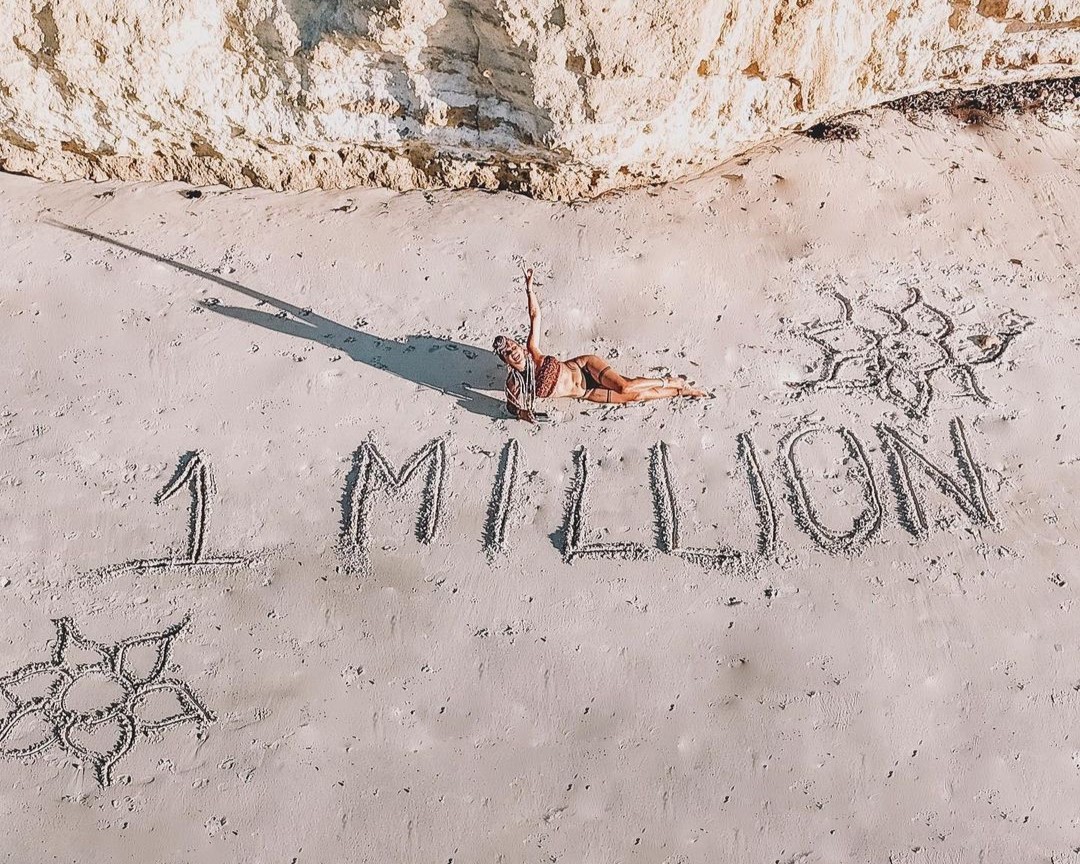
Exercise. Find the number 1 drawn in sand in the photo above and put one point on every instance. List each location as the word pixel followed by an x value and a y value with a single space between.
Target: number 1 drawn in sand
pixel 194 473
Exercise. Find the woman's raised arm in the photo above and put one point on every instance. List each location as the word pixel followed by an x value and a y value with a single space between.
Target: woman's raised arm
pixel 533 343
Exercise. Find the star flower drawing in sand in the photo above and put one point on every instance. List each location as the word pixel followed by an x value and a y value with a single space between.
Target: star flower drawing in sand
pixel 908 356
pixel 92 701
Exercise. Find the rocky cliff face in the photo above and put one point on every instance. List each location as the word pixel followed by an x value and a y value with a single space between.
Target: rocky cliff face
pixel 559 98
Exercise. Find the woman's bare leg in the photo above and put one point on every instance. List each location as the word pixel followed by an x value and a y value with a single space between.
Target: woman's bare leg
pixel 602 372
pixel 642 385
pixel 605 375
pixel 611 397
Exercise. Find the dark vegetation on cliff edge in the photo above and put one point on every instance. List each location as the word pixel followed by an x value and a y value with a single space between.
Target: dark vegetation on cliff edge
pixel 978 106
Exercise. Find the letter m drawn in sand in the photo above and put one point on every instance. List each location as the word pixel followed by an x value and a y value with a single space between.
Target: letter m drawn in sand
pixel 372 472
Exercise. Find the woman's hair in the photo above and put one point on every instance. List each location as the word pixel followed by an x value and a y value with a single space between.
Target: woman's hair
pixel 520 383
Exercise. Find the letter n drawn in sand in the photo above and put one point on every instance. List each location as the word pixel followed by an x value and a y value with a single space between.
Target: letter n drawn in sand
pixel 192 473
pixel 373 472
pixel 903 456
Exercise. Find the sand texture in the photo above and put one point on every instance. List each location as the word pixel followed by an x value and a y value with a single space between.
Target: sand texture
pixel 279 584
pixel 559 100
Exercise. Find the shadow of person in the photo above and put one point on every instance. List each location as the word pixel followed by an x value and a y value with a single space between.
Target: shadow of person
pixel 430 361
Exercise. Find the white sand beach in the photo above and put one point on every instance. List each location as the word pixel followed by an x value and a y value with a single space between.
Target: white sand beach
pixel 825 616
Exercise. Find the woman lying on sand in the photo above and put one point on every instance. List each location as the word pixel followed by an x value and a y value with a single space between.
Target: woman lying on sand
pixel 532 374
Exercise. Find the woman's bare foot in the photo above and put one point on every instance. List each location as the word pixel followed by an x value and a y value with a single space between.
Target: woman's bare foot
pixel 685 388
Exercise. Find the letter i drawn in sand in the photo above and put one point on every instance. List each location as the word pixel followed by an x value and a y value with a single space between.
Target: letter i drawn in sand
pixel 497 524
pixel 192 473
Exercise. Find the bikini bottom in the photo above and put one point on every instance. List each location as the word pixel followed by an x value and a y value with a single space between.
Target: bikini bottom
pixel 590 382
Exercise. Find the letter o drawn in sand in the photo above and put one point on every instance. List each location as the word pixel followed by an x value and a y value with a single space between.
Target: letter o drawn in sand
pixel 865 525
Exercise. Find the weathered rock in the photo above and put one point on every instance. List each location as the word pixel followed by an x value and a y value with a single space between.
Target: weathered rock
pixel 558 99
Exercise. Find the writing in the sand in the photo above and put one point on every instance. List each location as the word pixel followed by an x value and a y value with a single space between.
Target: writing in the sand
pixel 912 470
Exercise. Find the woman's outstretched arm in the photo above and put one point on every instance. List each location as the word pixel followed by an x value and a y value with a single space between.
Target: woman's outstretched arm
pixel 533 343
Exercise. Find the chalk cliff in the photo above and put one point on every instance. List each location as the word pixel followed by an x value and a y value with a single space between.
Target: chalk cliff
pixel 557 98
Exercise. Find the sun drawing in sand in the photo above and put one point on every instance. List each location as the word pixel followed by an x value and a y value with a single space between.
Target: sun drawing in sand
pixel 905 360
pixel 92 701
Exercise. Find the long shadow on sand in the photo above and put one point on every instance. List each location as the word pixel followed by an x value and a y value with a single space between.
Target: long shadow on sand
pixel 438 364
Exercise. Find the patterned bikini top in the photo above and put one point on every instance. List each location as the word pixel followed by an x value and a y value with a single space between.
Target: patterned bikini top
pixel 547 376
